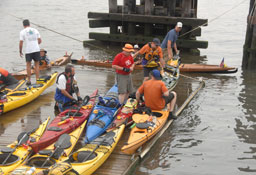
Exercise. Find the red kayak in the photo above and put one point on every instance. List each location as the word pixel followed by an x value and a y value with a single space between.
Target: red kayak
pixel 124 115
pixel 66 122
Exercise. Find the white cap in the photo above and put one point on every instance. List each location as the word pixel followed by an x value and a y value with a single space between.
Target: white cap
pixel 136 46
pixel 179 24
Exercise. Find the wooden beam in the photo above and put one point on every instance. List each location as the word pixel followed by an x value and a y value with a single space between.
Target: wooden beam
pixel 113 9
pixel 141 39
pixel 97 23
pixel 147 19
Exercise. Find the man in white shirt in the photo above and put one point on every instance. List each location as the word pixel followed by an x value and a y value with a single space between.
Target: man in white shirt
pixel 32 39
pixel 66 87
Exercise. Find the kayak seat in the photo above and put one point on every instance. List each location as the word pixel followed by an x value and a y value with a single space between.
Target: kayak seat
pixel 143 125
pixel 45 152
pixel 7 150
pixel 44 78
pixel 84 154
pixel 71 114
pixel 18 94
pixel 97 122
pixel 11 160
pixel 54 128
pixel 108 142
pixel 112 95
pixel 157 114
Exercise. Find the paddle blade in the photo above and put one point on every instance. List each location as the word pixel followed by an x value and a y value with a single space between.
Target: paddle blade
pixel 23 138
pixel 86 100
pixel 63 142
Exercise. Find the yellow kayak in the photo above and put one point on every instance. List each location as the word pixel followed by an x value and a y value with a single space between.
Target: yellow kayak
pixel 21 96
pixel 89 158
pixel 52 154
pixel 21 152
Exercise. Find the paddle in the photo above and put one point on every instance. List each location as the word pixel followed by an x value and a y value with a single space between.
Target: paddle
pixel 22 138
pixel 62 143
pixel 107 136
pixel 85 101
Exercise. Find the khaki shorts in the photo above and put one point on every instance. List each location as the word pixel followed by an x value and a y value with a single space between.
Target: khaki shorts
pixel 124 83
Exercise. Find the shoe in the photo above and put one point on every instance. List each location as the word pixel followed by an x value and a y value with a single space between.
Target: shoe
pixel 28 83
pixel 172 116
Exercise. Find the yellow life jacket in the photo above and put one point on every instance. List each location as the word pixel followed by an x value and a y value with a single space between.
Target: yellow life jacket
pixel 152 57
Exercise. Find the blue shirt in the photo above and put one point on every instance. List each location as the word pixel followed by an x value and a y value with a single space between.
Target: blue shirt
pixel 172 36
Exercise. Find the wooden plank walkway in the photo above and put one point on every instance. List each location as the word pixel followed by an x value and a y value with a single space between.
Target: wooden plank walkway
pixel 121 164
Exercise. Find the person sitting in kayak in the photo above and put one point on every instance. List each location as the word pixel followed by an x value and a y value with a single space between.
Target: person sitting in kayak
pixel 44 60
pixel 6 78
pixel 156 94
pixel 66 87
pixel 152 57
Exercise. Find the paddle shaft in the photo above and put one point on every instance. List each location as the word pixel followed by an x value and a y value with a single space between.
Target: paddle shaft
pixel 16 146
pixel 81 106
pixel 48 158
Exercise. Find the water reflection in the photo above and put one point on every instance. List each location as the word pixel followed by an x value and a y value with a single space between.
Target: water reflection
pixel 25 118
pixel 246 125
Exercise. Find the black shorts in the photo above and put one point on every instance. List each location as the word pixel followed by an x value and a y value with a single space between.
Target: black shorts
pixel 169 98
pixel 32 56
pixel 147 70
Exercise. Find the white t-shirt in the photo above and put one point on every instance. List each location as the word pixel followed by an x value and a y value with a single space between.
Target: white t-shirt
pixel 62 82
pixel 30 36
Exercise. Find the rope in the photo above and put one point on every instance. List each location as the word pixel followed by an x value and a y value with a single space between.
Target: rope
pixel 67 36
pixel 224 13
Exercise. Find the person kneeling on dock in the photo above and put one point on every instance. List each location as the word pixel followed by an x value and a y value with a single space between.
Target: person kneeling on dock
pixel 66 87
pixel 6 78
pixel 156 94
pixel 123 64
pixel 153 57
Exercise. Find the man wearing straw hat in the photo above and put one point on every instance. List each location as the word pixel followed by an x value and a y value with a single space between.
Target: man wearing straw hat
pixel 123 64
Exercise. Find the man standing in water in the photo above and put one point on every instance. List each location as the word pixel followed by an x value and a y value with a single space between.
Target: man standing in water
pixel 169 43
pixel 123 64
pixel 32 39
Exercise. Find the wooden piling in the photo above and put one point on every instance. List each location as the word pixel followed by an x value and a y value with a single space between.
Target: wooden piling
pixel 113 9
pixel 249 54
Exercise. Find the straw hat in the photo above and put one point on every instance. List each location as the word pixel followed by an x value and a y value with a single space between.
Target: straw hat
pixel 128 48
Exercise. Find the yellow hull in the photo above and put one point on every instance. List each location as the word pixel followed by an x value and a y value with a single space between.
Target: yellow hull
pixel 140 136
pixel 88 167
pixel 21 152
pixel 31 94
pixel 74 137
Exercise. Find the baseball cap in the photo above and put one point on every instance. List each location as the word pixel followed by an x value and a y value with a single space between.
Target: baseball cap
pixel 136 46
pixel 179 24
pixel 157 41
pixel 156 74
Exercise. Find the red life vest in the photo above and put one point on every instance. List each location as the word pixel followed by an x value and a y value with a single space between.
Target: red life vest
pixel 69 83
pixel 4 73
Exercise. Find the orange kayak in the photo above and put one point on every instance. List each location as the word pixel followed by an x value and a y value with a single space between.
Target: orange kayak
pixel 195 68
pixel 146 126
pixel 58 62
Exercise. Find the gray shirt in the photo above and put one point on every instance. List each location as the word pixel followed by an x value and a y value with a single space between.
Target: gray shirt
pixel 172 36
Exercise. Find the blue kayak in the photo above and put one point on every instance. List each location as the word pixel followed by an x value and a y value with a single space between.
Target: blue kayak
pixel 102 115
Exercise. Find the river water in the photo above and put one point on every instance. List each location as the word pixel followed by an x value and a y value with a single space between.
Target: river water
pixel 216 132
